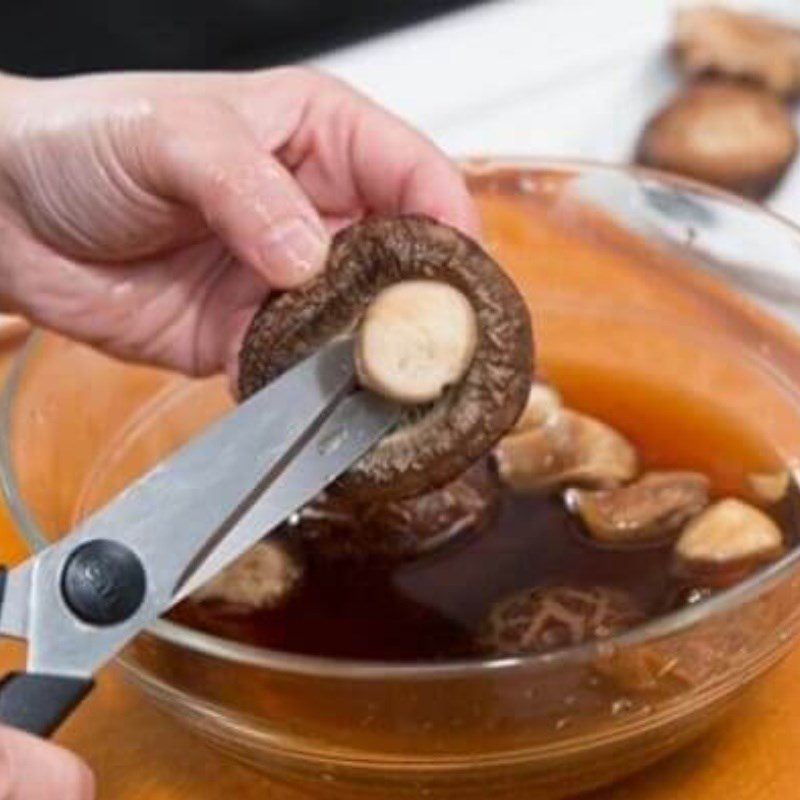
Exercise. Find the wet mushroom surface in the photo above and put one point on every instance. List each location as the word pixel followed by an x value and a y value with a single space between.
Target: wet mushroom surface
pixel 656 505
pixel 335 529
pixel 462 397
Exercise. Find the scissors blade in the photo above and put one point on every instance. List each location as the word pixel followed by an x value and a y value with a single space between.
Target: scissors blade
pixel 166 516
pixel 355 426
pixel 16 601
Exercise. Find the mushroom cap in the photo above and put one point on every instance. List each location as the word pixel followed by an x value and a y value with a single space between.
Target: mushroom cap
pixel 335 529
pixel 435 443
pixel 738 137
pixel 547 618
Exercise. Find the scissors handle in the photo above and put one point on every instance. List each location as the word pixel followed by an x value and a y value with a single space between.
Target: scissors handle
pixel 38 703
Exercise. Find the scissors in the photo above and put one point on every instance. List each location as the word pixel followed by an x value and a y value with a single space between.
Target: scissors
pixel 80 600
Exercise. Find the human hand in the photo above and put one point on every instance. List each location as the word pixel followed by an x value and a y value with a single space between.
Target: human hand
pixel 150 214
pixel 31 769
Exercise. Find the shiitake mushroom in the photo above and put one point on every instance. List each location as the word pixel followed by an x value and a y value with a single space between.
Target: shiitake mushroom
pixel 436 442
pixel 568 449
pixel 546 618
pixel 711 40
pixel 264 577
pixel 727 542
pixel 335 528
pixel 655 506
pixel 738 137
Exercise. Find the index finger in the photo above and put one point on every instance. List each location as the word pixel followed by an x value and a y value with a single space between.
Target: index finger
pixel 398 170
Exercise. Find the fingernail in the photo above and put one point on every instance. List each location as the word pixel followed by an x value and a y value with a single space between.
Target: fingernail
pixel 293 251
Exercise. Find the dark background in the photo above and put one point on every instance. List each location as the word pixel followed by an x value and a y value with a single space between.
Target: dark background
pixel 53 37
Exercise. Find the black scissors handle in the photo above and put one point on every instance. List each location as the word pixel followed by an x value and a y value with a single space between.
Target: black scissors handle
pixel 38 703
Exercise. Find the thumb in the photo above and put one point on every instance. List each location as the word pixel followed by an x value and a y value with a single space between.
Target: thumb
pixel 31 769
pixel 203 153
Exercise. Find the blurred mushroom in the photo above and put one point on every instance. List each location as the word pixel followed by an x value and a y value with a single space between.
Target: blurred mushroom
pixel 738 137
pixel 656 505
pixel 721 41
pixel 334 528
pixel 727 541
pixel 263 578
pixel 572 449
pixel 769 487
pixel 552 617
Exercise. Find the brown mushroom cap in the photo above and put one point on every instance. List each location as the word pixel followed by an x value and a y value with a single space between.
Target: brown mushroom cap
pixel 335 529
pixel 734 136
pixel 569 449
pixel 722 41
pixel 728 541
pixel 656 505
pixel 551 617
pixel 435 443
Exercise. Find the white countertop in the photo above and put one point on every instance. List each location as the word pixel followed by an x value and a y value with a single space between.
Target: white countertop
pixel 561 78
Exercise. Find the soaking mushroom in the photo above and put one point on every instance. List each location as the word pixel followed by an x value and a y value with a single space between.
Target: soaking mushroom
pixel 547 618
pixel 727 541
pixel 573 449
pixel 656 505
pixel 437 441
pixel 263 578
pixel 769 487
pixel 335 528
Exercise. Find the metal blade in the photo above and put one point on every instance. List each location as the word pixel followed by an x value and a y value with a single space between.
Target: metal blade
pixel 166 516
pixel 353 428
pixel 16 601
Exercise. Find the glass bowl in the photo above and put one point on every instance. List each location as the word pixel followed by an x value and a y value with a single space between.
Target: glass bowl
pixel 77 427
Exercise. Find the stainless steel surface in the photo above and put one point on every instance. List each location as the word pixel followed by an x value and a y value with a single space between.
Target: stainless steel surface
pixel 16 602
pixel 358 422
pixel 213 484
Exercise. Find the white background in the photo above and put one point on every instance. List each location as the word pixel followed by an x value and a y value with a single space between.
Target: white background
pixel 534 77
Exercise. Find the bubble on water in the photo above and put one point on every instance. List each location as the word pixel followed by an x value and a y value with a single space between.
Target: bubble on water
pixel 562 723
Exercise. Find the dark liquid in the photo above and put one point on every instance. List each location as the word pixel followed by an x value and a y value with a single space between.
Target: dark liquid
pixel 431 609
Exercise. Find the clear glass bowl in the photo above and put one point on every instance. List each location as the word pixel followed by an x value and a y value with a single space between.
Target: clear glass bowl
pixel 77 427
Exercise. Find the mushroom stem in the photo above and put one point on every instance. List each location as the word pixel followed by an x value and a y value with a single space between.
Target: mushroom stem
pixel 416 339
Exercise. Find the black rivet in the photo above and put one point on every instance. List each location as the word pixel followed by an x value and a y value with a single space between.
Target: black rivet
pixel 103 582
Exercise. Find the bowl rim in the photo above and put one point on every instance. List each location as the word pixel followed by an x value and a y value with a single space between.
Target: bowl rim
pixel 217 647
